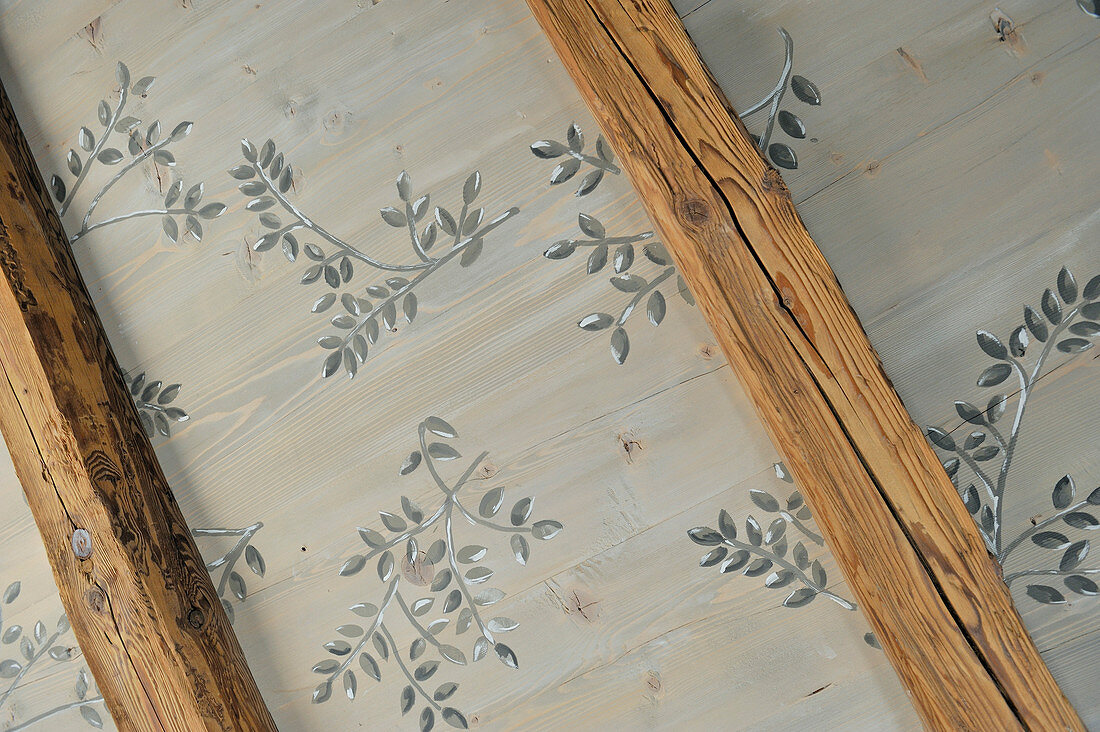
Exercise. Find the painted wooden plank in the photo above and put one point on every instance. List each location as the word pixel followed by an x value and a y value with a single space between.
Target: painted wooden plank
pixel 133 584
pixel 646 50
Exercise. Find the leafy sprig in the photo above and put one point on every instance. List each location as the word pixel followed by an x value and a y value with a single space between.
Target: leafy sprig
pixel 573 150
pixel 1066 320
pixel 415 549
pixel 436 237
pixel 154 402
pixel 620 252
pixel 766 551
pixel 142 145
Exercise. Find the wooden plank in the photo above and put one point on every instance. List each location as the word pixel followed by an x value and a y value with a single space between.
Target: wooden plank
pixel 915 558
pixel 134 586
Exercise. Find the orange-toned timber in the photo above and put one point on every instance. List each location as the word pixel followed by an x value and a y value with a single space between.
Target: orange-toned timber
pixel 136 590
pixel 899 530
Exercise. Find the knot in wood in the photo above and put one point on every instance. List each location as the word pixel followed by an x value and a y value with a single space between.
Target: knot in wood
pixel 196 618
pixel 95 600
pixel 82 544
pixel 695 211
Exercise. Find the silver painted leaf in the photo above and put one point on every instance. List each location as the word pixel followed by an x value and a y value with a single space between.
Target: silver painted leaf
pixel 445 691
pixel 1067 286
pixel 491 502
pixel 452 654
pixel 385 566
pixel 800 597
pixel 591 226
pixel 1063 493
pixel 655 308
pixel 91 716
pixel 411 463
pixel 597 259
pixel 353 565
pixel 12 591
pixel 791 124
pixel 320 695
pixel 783 156
pixel 726 525
pixel 442 451
pixel 520 550
pixel 9 668
pixel 548 149
pixel 1082 585
pixel 506 655
pixel 1074 555
pixel 521 511
pixel 764 500
pixel 370 666
pixel 546 529
pixel 620 345
pixel 564 171
pixel 629 282
pixel 1045 594
pixel 589 182
pixel 408 698
pixel 805 90
pixel 471 553
pixel 713 557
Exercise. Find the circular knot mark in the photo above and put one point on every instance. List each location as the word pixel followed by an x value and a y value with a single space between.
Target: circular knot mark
pixel 695 211
pixel 196 618
pixel 82 544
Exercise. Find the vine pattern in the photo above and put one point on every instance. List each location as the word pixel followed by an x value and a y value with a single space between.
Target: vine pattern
pixel 267 179
pixel 792 125
pixel 573 152
pixel 767 551
pixel 181 214
pixel 454 575
pixel 154 401
pixel 621 252
pixel 39 642
pixel 1068 321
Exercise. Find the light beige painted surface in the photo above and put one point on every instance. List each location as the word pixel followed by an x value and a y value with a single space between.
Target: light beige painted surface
pixel 617 622
pixel 948 175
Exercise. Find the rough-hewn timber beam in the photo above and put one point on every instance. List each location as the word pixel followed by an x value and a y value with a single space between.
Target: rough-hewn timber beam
pixel 901 534
pixel 142 606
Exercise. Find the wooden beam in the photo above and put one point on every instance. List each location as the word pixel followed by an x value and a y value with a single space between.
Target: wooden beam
pixel 134 586
pixel 894 521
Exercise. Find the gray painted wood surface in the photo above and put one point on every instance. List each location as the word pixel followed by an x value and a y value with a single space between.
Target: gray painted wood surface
pixel 618 623
pixel 948 174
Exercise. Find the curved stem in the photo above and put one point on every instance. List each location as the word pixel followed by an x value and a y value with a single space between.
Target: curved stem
pixel 643 292
pixel 331 238
pixel 777 94
pixel 798 573
pixel 1049 573
pixel 55 711
pixel 408 534
pixel 27 667
pixel 1037 527
pixel 94 153
pixel 416 623
pixel 809 533
pixel 595 162
pixel 461 580
pixel 489 524
pixel 612 241
pixel 370 631
pixel 412 681
pixel 414 237
pixel 124 217
pixel 229 559
pixel 134 162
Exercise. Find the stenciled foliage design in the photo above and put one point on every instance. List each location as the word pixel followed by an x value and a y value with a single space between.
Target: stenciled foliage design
pixel 451 576
pixel 154 402
pixel 768 551
pixel 181 212
pixel 621 251
pixel 1067 320
pixel 39 642
pixel 805 90
pixel 573 150
pixel 268 179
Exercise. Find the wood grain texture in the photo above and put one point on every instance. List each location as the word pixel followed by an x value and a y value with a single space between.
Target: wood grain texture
pixel 142 605
pixel 915 559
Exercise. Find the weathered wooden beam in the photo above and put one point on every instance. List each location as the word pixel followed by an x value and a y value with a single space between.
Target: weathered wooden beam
pixel 894 521
pixel 141 603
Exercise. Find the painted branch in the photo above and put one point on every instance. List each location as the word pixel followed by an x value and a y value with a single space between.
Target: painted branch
pixel 911 553
pixel 141 603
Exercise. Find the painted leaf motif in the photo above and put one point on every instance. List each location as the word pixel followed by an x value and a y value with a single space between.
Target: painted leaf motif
pixel 713 557
pixel 800 597
pixel 440 427
pixel 1063 493
pixel 1067 286
pixel 805 90
pixel 596 321
pixel 1050 540
pixel 726 525
pixel 491 502
pixel 783 156
pixel 995 374
pixel 941 439
pixel 620 345
pixel 1081 585
pixel 991 345
pixel 591 226
pixel 520 548
pixel 655 308
pixel 443 451
pixel 1045 594
pixel 764 500
pixel 1074 555
pixel 521 511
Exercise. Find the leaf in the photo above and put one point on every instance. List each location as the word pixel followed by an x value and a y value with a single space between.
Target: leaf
pixel 1051 307
pixel 237 586
pixel 1092 289
pixel 560 249
pixel 1063 493
pixel 986 453
pixel 1074 555
pixel 564 171
pixel 520 549
pixel 1074 345
pixel 85 139
pixel 764 500
pixel 325 667
pixel 596 321
pixel 12 591
pixel 471 188
pixel 453 717
pixel 971 499
pixel 655 252
pixel 726 525
pixel 521 511
pixel 736 561
pixel 589 182
pixel 575 138
pixel 1050 540
pixel 805 90
pixel 655 308
pixel 393 522
pixel 73 161
pixel 591 226
pixel 408 307
pixel 440 427
pixel 548 149
pixel 9 668
pixel 753 531
pixel 791 124
pixel 1081 585
pixel 704 536
pixel 1045 594
pixel 487 597
pixel 1067 285
pixel 969 412
pixel 1081 520
pixel 995 374
pixel 597 259
pixel 628 282
pixel 783 156
pixel 57 187
pixel 331 364
pixel 442 451
pixel 991 345
pixel 1018 341
pixel 1085 328
pixel 941 439
pixel 491 502
pixel 1035 324
pixel 471 553
pixel 408 698
pixel 410 509
pixel 546 529
pixel 620 345
pixel 427 719
pixel 320 695
pixel 393 217
pixel 506 655
pixel 91 716
pixel 800 597
pixel 110 156
pixel 171 228
pixel 713 557
pixel 477 575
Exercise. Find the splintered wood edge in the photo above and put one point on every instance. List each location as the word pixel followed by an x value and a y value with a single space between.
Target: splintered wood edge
pixel 135 588
pixel 893 519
